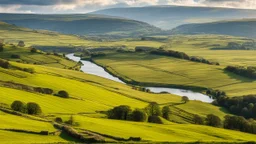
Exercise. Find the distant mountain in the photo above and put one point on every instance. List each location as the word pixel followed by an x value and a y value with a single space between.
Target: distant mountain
pixel 81 24
pixel 168 17
pixel 244 28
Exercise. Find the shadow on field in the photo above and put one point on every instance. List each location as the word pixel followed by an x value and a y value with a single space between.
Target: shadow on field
pixel 237 77
pixel 65 136
pixel 224 110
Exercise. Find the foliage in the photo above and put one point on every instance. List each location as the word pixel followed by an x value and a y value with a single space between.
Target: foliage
pixel 139 115
pixel 213 120
pixel 121 112
pixel 4 64
pixel 33 108
pixel 58 120
pixel 155 119
pixel 185 99
pixel 215 94
pixel 18 106
pixel 153 109
pixel 198 119
pixel 166 111
pixel 243 106
pixel 240 123
pixel 63 94
pixel 21 44
pixel 249 72
pixel 33 50
pixel 15 56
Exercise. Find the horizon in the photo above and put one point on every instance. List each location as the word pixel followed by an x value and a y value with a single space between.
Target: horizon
pixel 87 6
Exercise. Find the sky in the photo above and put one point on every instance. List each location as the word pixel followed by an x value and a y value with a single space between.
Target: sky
pixel 85 6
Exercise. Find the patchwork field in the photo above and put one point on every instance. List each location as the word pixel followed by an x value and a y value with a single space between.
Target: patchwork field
pixel 168 71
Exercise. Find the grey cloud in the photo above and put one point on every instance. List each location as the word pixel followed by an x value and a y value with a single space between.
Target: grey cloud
pixel 35 2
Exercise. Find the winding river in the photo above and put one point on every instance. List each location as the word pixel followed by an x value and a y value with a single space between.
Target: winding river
pixel 91 68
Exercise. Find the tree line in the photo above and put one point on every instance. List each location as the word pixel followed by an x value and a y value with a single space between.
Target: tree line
pixel 182 55
pixel 151 113
pixel 249 72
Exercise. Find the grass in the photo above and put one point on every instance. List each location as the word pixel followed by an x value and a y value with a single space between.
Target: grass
pixel 158 132
pixel 35 58
pixel 168 71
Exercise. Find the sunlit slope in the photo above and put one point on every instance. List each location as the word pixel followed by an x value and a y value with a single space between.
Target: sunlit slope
pixel 13 122
pixel 159 70
pixel 157 132
pixel 97 94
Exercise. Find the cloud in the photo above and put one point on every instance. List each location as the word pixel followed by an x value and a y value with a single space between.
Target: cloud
pixel 83 6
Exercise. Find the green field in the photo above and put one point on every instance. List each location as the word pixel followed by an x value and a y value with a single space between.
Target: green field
pixel 167 71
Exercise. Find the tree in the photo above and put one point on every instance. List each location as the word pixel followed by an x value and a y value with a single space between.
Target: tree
pixel 139 115
pixel 185 99
pixel 33 50
pixel 18 106
pixel 120 112
pixel 198 120
pixel 213 120
pixel 166 112
pixel 63 94
pixel 33 108
pixel 71 120
pixel 1 47
pixel 58 119
pixel 4 64
pixel 21 44
pixel 153 109
pixel 154 119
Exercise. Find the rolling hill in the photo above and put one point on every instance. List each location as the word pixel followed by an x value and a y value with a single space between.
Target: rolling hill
pixel 244 28
pixel 168 17
pixel 81 24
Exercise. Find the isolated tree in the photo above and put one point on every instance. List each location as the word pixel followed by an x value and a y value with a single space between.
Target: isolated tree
pixel 18 106
pixel 33 50
pixel 198 120
pixel 4 64
pixel 120 112
pixel 71 120
pixel 185 99
pixel 139 115
pixel 213 120
pixel 166 112
pixel 21 44
pixel 58 119
pixel 33 108
pixel 63 94
pixel 153 109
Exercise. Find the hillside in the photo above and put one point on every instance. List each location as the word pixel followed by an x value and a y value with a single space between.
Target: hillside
pixel 168 17
pixel 244 28
pixel 81 24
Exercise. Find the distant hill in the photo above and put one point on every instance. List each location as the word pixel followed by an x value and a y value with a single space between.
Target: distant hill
pixel 168 17
pixel 244 28
pixel 81 24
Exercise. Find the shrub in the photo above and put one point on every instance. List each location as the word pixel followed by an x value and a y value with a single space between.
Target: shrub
pixel 185 99
pixel 33 108
pixel 4 64
pixel 29 70
pixel 120 112
pixel 63 94
pixel 153 109
pixel 58 119
pixel 139 115
pixel 33 50
pixel 1 47
pixel 15 56
pixel 21 44
pixel 18 106
pixel 155 119
pixel 166 112
pixel 198 120
pixel 213 120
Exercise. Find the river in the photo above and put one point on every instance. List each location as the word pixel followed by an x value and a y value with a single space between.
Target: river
pixel 91 68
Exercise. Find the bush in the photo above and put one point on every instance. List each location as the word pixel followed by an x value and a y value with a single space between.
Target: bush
pixel 1 47
pixel 139 115
pixel 21 44
pixel 63 94
pixel 4 64
pixel 58 120
pixel 213 120
pixel 29 70
pixel 120 112
pixel 198 120
pixel 33 108
pixel 18 106
pixel 166 112
pixel 15 56
pixel 33 50
pixel 155 119
pixel 153 109
pixel 185 99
